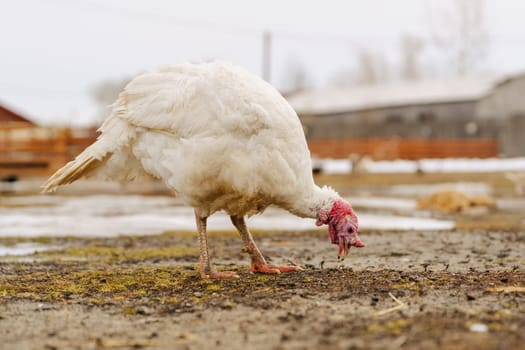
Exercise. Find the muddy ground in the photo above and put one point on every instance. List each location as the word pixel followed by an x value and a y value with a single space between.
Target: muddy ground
pixel 457 289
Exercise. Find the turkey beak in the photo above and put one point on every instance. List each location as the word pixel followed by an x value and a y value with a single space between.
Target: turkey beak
pixel 344 247
pixel 347 240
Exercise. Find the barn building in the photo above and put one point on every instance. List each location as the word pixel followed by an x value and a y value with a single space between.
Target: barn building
pixel 27 149
pixel 10 118
pixel 481 116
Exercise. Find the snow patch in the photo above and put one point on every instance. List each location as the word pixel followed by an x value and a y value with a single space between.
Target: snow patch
pixel 140 215
pixel 343 166
pixel 392 222
pixel 23 249
pixel 468 188
pixel 383 203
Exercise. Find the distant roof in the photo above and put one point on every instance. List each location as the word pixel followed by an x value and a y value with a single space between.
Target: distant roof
pixel 353 98
pixel 8 115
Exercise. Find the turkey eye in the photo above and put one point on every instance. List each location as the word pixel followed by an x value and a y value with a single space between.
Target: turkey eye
pixel 351 230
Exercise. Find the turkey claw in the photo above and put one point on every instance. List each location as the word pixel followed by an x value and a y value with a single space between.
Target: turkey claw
pixel 272 269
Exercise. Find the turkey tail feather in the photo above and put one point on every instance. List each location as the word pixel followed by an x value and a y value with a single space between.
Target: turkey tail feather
pixel 71 172
pixel 111 150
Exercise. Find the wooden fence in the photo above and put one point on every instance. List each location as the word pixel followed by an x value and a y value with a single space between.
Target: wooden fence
pixel 396 148
pixel 42 151
pixel 39 151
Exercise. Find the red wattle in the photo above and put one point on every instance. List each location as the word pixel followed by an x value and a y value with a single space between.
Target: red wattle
pixel 342 208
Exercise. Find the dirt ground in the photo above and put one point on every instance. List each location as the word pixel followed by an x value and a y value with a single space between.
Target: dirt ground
pixel 457 289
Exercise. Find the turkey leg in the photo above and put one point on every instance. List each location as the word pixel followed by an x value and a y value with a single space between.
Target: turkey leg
pixel 258 262
pixel 207 270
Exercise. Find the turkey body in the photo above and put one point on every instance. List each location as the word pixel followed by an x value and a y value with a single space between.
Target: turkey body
pixel 233 144
pixel 220 137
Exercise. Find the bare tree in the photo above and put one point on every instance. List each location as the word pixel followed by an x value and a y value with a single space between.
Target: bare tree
pixel 460 32
pixel 371 67
pixel 296 77
pixel 105 93
pixel 411 47
pixel 343 77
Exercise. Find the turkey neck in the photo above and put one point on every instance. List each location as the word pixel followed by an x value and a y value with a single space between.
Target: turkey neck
pixel 310 203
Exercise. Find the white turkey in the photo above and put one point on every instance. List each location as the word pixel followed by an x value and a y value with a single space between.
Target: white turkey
pixel 222 139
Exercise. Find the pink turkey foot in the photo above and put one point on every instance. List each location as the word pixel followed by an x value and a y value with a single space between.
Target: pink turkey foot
pixel 220 275
pixel 272 269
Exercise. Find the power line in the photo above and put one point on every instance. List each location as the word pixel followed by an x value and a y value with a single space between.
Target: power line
pixel 215 26
pixel 168 18
pixel 32 91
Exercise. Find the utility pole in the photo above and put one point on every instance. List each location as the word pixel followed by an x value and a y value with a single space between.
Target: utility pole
pixel 267 56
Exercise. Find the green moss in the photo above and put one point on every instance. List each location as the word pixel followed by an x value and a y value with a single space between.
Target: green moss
pixel 261 278
pixel 170 300
pixel 11 241
pixel 416 286
pixel 213 288
pixel 73 288
pixel 406 286
pixel 130 310
pixel 395 327
pixel 110 284
pixel 96 301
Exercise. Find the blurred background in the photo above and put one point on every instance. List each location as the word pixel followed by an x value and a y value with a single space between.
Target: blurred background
pixel 409 79
pixel 371 81
pixel 412 109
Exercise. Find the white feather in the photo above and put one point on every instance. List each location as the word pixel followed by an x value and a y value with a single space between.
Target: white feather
pixel 220 137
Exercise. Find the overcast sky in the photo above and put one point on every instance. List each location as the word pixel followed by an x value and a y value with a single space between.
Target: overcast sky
pixel 53 52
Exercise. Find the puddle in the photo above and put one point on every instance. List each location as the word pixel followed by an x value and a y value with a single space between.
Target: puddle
pixel 23 249
pixel 343 166
pixel 383 203
pixel 111 215
pixel 468 188
pixel 392 222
